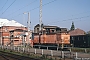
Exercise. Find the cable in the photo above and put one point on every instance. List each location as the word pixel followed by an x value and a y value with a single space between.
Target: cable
pixel 22 7
pixel 4 5
pixel 8 7
pixel 37 7
pixel 49 2
pixel 70 19
pixel 58 21
pixel 43 5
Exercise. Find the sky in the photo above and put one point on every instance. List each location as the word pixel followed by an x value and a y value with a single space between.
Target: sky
pixel 59 13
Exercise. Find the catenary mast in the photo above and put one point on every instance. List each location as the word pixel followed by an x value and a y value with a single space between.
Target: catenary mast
pixel 40 21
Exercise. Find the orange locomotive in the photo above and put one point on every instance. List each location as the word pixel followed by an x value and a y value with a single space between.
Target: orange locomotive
pixel 52 39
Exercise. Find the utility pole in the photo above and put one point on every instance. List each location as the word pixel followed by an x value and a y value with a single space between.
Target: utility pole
pixel 28 25
pixel 40 21
pixel 28 21
pixel 23 38
pixel 28 28
pixel 40 15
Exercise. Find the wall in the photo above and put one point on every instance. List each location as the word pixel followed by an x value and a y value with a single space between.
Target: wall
pixel 5 34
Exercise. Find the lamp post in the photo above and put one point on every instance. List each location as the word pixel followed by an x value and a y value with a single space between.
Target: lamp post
pixel 28 25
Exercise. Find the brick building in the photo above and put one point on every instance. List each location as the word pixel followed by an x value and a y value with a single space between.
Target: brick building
pixel 13 33
pixel 5 35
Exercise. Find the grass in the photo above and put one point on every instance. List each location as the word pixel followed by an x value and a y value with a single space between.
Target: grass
pixel 38 56
pixel 85 50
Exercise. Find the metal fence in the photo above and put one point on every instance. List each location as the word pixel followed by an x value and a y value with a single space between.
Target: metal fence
pixel 60 54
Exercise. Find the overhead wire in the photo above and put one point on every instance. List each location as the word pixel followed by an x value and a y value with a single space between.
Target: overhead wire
pixel 8 7
pixel 22 7
pixel 57 21
pixel 70 19
pixel 4 5
pixel 47 4
pixel 43 5
pixel 36 7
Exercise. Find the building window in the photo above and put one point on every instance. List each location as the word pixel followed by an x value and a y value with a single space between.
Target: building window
pixel 37 30
pixel 84 41
pixel 52 30
pixel 78 38
pixel 16 40
pixel 6 29
pixel 83 38
pixel 72 38
pixel 47 30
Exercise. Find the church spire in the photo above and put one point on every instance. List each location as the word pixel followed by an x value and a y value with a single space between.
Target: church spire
pixel 72 26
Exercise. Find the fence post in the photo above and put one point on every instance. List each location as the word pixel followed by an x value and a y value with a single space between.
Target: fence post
pixel 51 53
pixel 42 51
pixel 28 49
pixel 70 50
pixel 23 49
pixel 18 49
pixel 62 54
pixel 85 51
pixel 2 47
pixel 76 55
pixel 70 53
pixel 11 47
pixel 47 48
pixel 57 48
pixel 14 48
pixel 35 51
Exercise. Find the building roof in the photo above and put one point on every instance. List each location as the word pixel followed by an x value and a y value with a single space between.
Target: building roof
pixel 76 32
pixel 5 22
pixel 18 30
pixel 47 26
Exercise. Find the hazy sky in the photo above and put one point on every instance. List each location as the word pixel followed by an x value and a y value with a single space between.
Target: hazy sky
pixel 54 12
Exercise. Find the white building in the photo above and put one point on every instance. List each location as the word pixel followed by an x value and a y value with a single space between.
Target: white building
pixel 6 22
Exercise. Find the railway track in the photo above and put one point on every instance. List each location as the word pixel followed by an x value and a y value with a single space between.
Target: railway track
pixel 9 56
